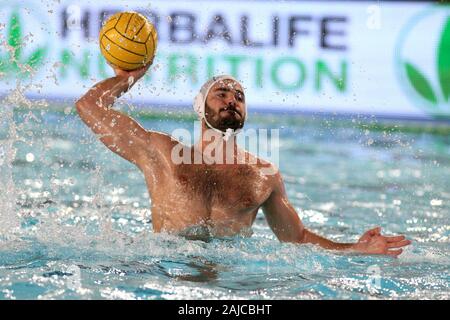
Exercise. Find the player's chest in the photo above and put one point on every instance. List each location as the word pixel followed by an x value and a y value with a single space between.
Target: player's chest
pixel 228 187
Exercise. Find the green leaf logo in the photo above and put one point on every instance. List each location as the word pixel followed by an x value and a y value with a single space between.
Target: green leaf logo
pixel 13 63
pixel 444 60
pixel 15 35
pixel 420 83
pixel 423 60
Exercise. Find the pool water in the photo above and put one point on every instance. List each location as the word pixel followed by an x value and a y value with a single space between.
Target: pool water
pixel 75 219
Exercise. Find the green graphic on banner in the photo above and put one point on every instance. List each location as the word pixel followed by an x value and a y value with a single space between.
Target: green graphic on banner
pixel 25 51
pixel 14 63
pixel 429 92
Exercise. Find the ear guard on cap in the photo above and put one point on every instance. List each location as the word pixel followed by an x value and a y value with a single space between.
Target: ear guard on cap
pixel 198 101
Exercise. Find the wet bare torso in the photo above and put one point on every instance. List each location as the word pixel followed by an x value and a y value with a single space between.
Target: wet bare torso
pixel 201 200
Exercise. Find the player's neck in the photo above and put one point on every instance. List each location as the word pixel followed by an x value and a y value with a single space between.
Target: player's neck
pixel 213 144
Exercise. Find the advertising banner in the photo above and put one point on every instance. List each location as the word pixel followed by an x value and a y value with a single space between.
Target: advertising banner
pixel 374 58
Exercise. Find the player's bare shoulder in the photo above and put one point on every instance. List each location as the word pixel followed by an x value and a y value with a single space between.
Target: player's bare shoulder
pixel 266 170
pixel 158 149
pixel 161 139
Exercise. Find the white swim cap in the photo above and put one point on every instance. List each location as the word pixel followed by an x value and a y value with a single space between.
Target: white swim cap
pixel 200 103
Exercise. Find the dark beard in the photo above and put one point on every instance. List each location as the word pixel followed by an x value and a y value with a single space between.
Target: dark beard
pixel 223 122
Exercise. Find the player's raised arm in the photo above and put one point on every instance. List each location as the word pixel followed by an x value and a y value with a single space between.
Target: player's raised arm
pixel 287 226
pixel 119 132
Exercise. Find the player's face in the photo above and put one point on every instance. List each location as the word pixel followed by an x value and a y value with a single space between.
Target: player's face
pixel 225 105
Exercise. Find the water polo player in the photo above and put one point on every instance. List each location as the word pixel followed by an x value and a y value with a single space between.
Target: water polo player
pixel 208 199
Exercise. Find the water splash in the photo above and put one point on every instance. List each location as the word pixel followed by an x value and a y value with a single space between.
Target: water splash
pixel 9 221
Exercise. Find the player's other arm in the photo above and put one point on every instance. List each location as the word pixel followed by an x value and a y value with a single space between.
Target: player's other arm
pixel 119 132
pixel 287 226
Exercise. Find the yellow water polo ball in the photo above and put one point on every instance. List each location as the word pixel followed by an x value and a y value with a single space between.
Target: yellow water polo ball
pixel 128 40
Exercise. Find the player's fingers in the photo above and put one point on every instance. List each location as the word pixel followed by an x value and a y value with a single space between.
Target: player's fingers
pixel 142 70
pixel 395 238
pixel 394 253
pixel 144 67
pixel 399 244
pixel 375 231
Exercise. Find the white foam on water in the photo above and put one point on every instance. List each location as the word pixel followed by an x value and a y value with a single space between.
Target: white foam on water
pixel 8 218
pixel 437 256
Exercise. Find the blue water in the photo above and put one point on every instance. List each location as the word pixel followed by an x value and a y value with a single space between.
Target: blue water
pixel 75 220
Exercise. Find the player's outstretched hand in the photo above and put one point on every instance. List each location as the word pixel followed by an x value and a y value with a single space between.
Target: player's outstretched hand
pixel 373 242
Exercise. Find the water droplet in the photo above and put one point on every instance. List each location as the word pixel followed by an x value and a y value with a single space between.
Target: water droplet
pixel 29 157
pixel 436 202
